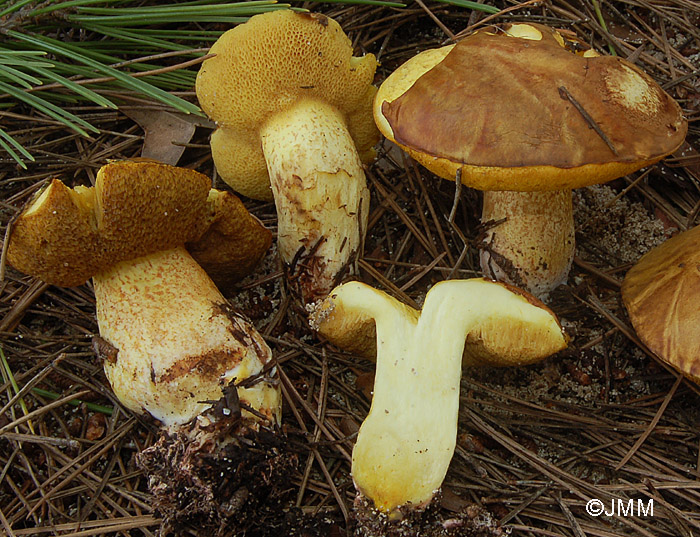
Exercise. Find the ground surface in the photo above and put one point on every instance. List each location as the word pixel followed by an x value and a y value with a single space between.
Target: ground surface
pixel 603 420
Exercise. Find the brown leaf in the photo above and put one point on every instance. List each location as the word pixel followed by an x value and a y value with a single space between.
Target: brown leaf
pixel 162 131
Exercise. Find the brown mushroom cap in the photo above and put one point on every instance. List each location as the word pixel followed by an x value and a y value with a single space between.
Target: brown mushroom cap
pixel 264 66
pixel 662 296
pixel 65 236
pixel 507 110
pixel 233 244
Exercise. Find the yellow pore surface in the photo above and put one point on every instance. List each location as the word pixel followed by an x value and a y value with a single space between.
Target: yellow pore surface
pixel 261 68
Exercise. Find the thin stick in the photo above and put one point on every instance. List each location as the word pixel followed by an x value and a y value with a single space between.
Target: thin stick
pixel 47 440
pixel 458 194
pixel 564 94
pixel 437 21
pixel 652 424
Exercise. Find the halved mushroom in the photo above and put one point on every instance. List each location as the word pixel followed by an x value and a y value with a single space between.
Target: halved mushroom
pixel 406 443
pixel 526 115
pixel 294 114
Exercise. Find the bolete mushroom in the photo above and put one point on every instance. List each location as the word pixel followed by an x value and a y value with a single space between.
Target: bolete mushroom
pixel 406 443
pixel 662 296
pixel 170 342
pixel 527 114
pixel 293 108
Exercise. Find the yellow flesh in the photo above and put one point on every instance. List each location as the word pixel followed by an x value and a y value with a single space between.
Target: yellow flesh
pixel 405 444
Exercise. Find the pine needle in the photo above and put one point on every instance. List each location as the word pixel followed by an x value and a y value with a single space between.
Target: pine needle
pixel 7 376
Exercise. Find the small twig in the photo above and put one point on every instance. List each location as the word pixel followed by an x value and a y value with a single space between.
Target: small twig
pixel 468 29
pixel 423 272
pixel 5 244
pixel 575 526
pixel 437 21
pixel 652 424
pixel 43 410
pixel 597 272
pixel 32 438
pixel 564 94
pixel 458 194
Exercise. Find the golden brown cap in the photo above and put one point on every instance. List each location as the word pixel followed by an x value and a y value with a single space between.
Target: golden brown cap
pixel 515 109
pixel 662 296
pixel 264 66
pixel 233 244
pixel 65 236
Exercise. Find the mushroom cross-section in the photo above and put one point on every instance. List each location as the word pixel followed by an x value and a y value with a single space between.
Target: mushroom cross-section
pixel 526 115
pixel 406 442
pixel 293 109
pixel 169 340
pixel 662 296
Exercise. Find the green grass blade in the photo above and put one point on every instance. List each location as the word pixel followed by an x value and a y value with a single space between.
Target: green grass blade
pixel 19 77
pixel 7 139
pixel 75 402
pixel 9 377
pixel 468 4
pixel 14 7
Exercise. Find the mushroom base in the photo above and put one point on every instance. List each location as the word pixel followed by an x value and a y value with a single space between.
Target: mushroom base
pixel 221 477
pixel 471 521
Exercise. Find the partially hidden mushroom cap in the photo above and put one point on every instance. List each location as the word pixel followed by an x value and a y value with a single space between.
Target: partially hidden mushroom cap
pixel 662 296
pixel 65 236
pixel 516 108
pixel 233 243
pixel 264 66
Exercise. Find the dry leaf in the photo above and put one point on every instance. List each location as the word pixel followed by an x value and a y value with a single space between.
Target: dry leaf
pixel 164 133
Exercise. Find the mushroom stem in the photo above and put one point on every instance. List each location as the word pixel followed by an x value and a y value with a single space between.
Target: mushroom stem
pixel 320 192
pixel 406 443
pixel 534 247
pixel 176 344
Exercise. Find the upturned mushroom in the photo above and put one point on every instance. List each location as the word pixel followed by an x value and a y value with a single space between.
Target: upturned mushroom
pixel 406 443
pixel 170 342
pixel 293 108
pixel 662 296
pixel 526 114
pixel 171 345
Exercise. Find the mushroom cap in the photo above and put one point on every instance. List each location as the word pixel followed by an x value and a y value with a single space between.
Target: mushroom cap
pixel 507 106
pixel 65 236
pixel 233 244
pixel 532 330
pixel 262 67
pixel 662 296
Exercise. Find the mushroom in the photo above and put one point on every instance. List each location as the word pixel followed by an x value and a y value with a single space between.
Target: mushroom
pixel 526 114
pixel 293 109
pixel 406 443
pixel 171 345
pixel 170 342
pixel 661 294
